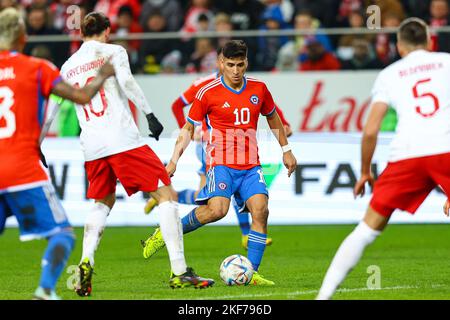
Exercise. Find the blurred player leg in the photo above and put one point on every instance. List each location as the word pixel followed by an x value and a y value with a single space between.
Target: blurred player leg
pixel 186 196
pixel 55 258
pixel 243 219
pixel 40 215
pixel 351 251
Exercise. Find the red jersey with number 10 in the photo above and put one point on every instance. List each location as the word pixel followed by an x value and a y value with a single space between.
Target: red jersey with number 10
pixel 25 82
pixel 232 117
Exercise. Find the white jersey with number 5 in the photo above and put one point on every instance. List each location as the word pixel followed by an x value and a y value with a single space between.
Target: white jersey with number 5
pixel 107 125
pixel 418 88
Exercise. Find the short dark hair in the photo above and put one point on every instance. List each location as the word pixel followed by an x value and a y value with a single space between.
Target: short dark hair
pixel 413 31
pixel 94 24
pixel 235 49
pixel 203 18
pixel 125 9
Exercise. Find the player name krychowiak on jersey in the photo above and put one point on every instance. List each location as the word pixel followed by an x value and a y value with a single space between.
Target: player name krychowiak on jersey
pixel 107 124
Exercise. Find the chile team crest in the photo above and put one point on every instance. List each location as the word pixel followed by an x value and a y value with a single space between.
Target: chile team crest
pixel 254 99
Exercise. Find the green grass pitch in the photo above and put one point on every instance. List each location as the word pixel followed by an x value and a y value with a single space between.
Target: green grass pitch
pixel 413 261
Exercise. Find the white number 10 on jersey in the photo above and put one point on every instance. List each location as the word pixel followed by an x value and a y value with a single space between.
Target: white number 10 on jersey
pixel 243 117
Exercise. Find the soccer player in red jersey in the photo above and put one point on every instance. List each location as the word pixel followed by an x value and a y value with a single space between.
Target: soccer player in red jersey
pixel 25 188
pixel 231 106
pixel 417 87
pixel 188 196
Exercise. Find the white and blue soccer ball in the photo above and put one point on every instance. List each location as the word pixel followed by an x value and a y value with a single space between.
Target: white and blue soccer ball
pixel 236 270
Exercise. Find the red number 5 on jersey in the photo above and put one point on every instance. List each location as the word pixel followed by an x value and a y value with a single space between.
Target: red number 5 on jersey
pixel 6 102
pixel 430 95
pixel 91 108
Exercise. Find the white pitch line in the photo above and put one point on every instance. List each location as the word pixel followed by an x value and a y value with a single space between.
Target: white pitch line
pixel 300 293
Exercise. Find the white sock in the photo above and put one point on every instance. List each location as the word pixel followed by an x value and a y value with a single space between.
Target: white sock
pixel 347 256
pixel 93 230
pixel 172 233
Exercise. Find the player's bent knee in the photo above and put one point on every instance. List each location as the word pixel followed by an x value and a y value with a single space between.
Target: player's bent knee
pixel 260 213
pixel 260 216
pixel 164 194
pixel 217 213
pixel 109 200
pixel 64 243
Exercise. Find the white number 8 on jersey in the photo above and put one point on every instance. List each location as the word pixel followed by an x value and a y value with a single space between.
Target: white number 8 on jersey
pixel 6 102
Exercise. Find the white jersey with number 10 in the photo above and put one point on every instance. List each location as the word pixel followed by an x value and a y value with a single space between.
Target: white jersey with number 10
pixel 107 125
pixel 418 88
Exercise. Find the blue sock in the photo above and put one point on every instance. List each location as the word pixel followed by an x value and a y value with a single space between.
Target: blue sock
pixel 243 218
pixel 186 196
pixel 190 222
pixel 256 246
pixel 55 258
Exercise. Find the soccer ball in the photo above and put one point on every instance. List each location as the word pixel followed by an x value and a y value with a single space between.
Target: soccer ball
pixel 236 270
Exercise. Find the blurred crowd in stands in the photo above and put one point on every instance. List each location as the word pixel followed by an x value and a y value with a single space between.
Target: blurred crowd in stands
pixel 274 53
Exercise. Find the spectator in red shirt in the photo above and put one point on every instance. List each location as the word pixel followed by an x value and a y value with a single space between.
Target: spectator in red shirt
pixel 318 59
pixel 439 17
pixel 125 25
pixel 111 8
pixel 198 7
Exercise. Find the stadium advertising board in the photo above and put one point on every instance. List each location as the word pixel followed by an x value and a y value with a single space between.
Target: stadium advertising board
pixel 319 192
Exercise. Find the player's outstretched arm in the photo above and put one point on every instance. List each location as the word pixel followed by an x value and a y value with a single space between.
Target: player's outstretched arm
pixel 185 136
pixel 85 94
pixel 133 91
pixel 369 142
pixel 277 128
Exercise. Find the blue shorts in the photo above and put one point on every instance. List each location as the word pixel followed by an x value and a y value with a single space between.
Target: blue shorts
pixel 37 210
pixel 222 181
pixel 201 156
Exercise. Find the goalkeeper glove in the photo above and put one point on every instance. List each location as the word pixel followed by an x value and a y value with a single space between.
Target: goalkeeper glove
pixel 154 125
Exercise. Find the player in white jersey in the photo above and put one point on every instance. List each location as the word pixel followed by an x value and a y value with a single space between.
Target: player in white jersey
pixel 417 87
pixel 114 150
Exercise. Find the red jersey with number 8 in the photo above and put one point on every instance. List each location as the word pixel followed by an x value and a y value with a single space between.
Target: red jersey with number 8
pixel 25 84
pixel 232 117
